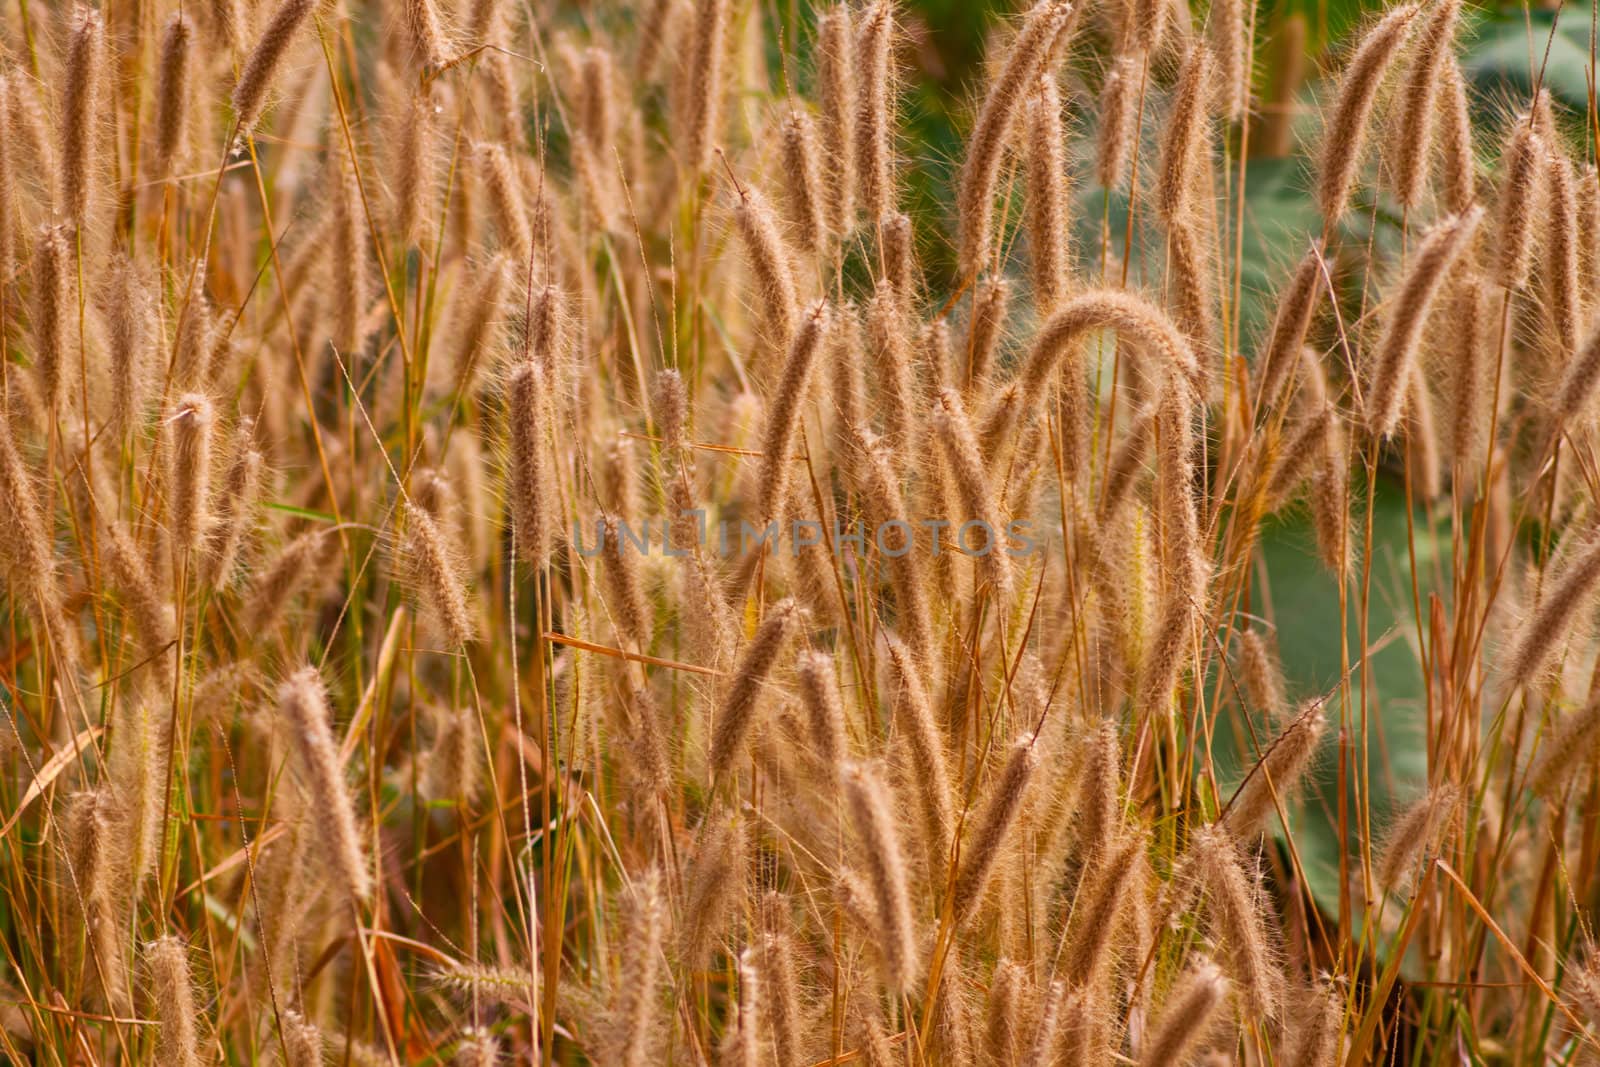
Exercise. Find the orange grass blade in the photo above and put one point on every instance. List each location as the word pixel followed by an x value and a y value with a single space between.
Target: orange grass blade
pixel 636 657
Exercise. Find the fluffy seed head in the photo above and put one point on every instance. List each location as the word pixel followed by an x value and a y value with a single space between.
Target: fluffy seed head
pixel 701 92
pixel 1577 386
pixel 1589 233
pixel 1330 501
pixel 994 823
pixel 1047 207
pixel 597 111
pixel 1571 745
pixel 478 1048
pixel 1142 322
pixel 1009 1009
pixel 349 272
pixel 1145 26
pixel 874 65
pixel 989 306
pixel 261 67
pixel 1345 138
pixel 303 703
pixel 1420 432
pixel 627 603
pixel 225 24
pixel 896 248
pixel 527 414
pixel 1314 1040
pixel 548 337
pixel 1119 114
pixel 302 1041
pixel 781 980
pixel 787 410
pixel 1419 101
pixel 191 425
pixel 802 185
pixel 1237 918
pixel 1458 162
pixel 177 1038
pixel 1103 901
pixel 1186 1016
pixel 836 98
pixel 151 613
pixel 172 91
pixel 1276 774
pixel 638 1005
pixel 298 565
pixel 26 125
pixel 96 863
pixel 672 410
pixel 961 452
pixel 432 564
pixel 53 313
pixel 1185 148
pixel 819 691
pixel 648 745
pixel 24 536
pixel 455 757
pixel 479 320
pixel 769 263
pixel 1397 349
pixel 1299 455
pixel 1297 301
pixel 715 883
pixel 1099 799
pixel 8 186
pixel 873 816
pixel 1416 830
pixel 890 358
pixel 136 770
pixel 499 180
pixel 1471 310
pixel 736 714
pixel 885 504
pixel 80 106
pixel 1261 675
pixel 916 722
pixel 506 985
pixel 1226 25
pixel 1191 269
pixel 1522 163
pixel 1002 104
pixel 846 348
pixel 1421 435
pixel 428 40
pixel 1561 264
pixel 128 310
pixel 415 166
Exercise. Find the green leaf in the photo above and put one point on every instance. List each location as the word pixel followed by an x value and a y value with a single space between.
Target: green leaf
pixel 299 512
pixel 1304 606
pixel 1504 60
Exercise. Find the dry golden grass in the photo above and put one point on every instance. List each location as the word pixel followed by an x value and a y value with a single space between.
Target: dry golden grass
pixel 337 335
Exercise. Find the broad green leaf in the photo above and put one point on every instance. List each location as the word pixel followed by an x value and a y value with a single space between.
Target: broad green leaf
pixel 1505 57
pixel 1302 600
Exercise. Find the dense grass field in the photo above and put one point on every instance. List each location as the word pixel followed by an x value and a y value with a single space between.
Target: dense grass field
pixel 707 531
